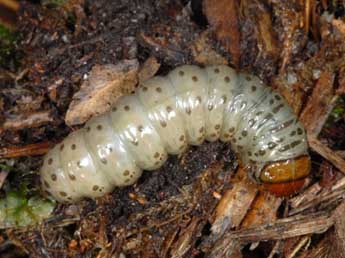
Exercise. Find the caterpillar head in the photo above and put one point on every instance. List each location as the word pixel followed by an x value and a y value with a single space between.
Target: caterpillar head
pixel 284 178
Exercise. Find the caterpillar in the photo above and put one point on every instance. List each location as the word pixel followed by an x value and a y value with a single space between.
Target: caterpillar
pixel 166 114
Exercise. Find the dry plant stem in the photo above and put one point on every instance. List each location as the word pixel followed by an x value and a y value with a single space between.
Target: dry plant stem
pixel 304 241
pixel 284 228
pixel 27 150
pixel 327 153
pixel 306 196
pixel 33 120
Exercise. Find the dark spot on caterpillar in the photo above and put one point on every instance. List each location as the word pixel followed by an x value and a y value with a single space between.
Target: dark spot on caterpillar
pixel 159 89
pixel 127 108
pixel 285 148
pixel 253 88
pixel 104 161
pixel 213 135
pixel 62 146
pixel 110 149
pixel 79 164
pixel 277 97
pixel 295 143
pixel 163 123
pixel 126 173
pixel 181 73
pixel 227 79
pixel 217 127
pixel 198 98
pixel 248 78
pixel 144 88
pixel 201 130
pixel 195 79
pixel 157 163
pixel 114 109
pixel 72 177
pixel 299 131
pixel 131 176
pixel 281 139
pixel 231 129
pixel 244 133
pixel 99 127
pixel 69 198
pixel 200 139
pixel 156 156
pixel 240 138
pixel 210 107
pixel 271 101
pixel 240 147
pixel 293 133
pixel 271 145
pixel 226 135
pixel 73 146
pixel 277 108
pixel 216 70
pixel 224 98
pixel 46 184
pixel 249 153
pixel 127 181
pixel 188 110
pixel 53 177
pixel 63 194
pixel 262 152
pixel 259 113
pixel 169 109
pixel 140 128
pixel 50 161
pixel 95 187
pixel 234 140
pixel 181 138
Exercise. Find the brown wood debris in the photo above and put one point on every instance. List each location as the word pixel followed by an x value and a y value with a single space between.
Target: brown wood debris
pixel 27 150
pixel 104 85
pixel 35 119
pixel 223 18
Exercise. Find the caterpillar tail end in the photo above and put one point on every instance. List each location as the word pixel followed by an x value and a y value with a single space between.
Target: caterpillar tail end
pixel 286 178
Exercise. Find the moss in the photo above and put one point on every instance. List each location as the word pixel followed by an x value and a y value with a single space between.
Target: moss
pixel 18 211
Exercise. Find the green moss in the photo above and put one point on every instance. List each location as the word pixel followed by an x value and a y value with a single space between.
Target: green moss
pixel 18 211
pixel 7 41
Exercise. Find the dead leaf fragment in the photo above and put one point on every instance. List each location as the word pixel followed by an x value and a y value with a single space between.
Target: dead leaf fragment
pixel 106 83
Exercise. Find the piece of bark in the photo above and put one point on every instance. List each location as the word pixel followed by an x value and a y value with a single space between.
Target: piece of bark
pixel 148 69
pixel 263 210
pixel 320 104
pixel 338 249
pixel 234 204
pixel 203 53
pixel 327 153
pixel 105 84
pixel 223 18
pixel 28 121
pixel 283 228
pixel 27 150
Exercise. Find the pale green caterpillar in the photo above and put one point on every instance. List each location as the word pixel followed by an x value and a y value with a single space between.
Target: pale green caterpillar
pixel 188 106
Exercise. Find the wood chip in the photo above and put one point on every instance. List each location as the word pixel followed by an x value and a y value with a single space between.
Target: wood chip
pixel 148 69
pixel 327 153
pixel 338 244
pixel 234 204
pixel 106 83
pixel 222 16
pixel 27 150
pixel 320 104
pixel 35 119
pixel 203 53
